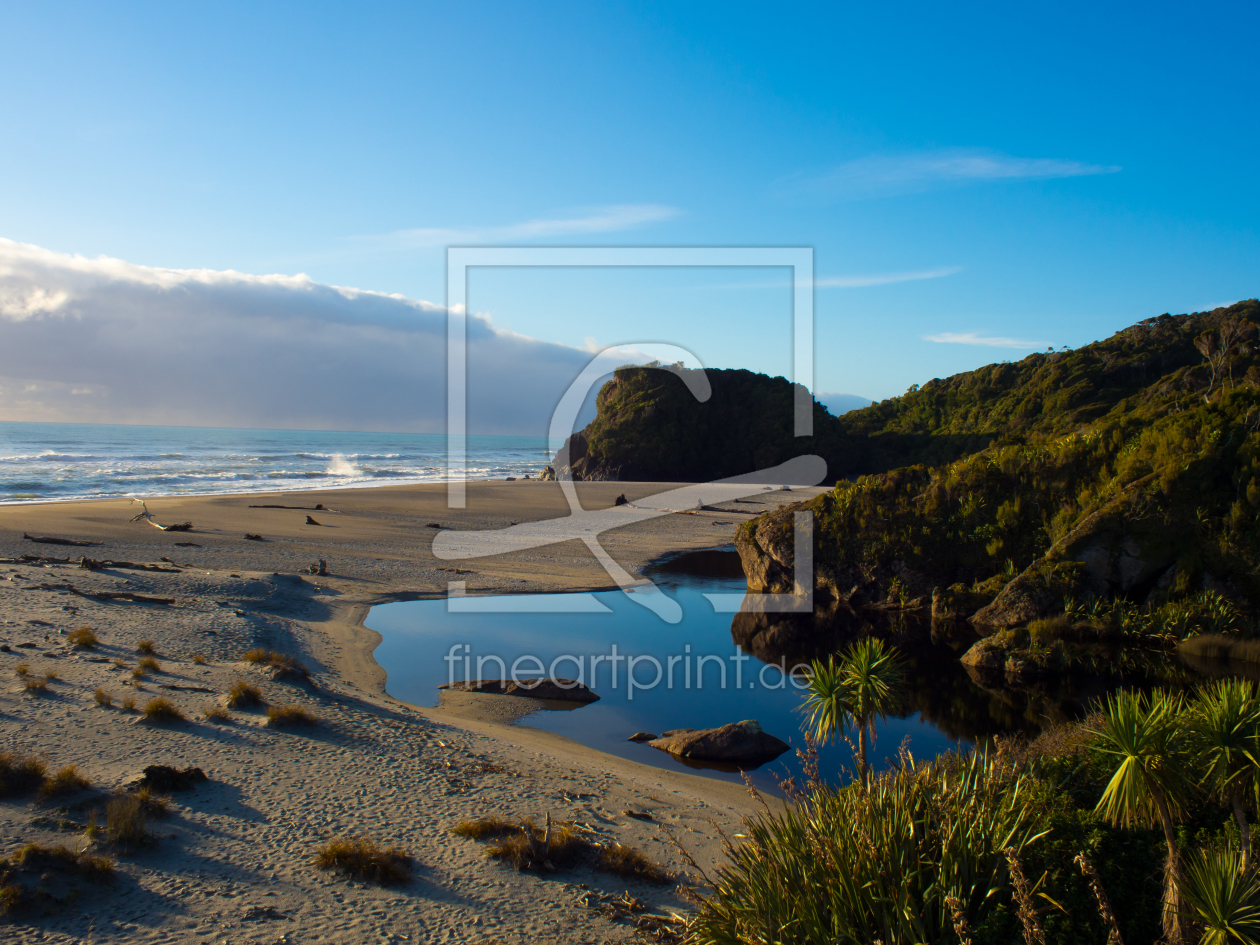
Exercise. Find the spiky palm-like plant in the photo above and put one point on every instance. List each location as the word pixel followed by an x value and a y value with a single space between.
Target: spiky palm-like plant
pixel 827 704
pixel 866 684
pixel 1147 734
pixel 1223 899
pixel 1225 735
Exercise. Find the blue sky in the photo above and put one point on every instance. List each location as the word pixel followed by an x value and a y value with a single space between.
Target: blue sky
pixel 992 177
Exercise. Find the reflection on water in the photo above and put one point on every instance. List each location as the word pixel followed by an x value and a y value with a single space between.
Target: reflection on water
pixel 424 645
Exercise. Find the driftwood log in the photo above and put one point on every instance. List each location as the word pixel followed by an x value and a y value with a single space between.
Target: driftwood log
pixel 43 540
pixel 146 516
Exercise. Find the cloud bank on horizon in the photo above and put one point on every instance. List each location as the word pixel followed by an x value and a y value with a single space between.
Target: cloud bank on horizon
pixel 986 341
pixel 107 341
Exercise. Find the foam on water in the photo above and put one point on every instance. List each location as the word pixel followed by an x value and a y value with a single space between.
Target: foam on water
pixel 41 461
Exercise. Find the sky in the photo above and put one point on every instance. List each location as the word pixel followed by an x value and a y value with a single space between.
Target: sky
pixel 976 182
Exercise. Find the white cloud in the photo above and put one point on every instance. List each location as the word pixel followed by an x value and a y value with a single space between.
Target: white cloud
pixel 987 341
pixel 104 340
pixel 883 175
pixel 600 220
pixel 883 278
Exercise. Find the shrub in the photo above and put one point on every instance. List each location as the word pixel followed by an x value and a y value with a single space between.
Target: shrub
pixel 149 665
pixel 287 715
pixel 162 709
pixel 126 823
pixel 365 859
pixel 216 713
pixel 19 774
pixel 629 863
pixel 243 694
pixel 67 780
pixel 147 647
pixel 103 698
pixel 84 638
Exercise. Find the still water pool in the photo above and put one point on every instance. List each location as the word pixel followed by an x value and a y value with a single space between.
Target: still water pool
pixel 424 645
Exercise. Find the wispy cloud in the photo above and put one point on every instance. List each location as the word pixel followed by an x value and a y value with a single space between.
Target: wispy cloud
pixel 598 220
pixel 884 175
pixel 987 341
pixel 883 278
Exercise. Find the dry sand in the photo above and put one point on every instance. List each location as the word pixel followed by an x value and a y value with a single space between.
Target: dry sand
pixel 233 862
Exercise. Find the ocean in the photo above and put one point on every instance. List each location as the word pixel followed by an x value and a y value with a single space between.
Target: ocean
pixel 43 461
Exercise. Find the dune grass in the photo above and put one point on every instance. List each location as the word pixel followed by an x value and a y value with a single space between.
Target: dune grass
pixel 147 647
pixel 126 822
pixel 152 803
pixel 199 659
pixel 243 695
pixel 162 709
pixel 129 703
pixel 285 665
pixel 19 774
pixel 285 716
pixel 39 859
pixel 149 665
pixel 22 670
pixel 67 780
pixel 83 638
pixel 35 685
pixel 485 828
pixel 103 698
pixel 564 848
pixel 366 860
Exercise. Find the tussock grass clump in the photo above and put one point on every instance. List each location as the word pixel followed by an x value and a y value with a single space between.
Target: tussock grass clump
pixel 147 647
pixel 365 859
pixel 37 856
pixel 485 828
pixel 121 664
pixel 162 709
pixel 283 716
pixel 126 823
pixel 40 860
pixel 242 695
pixel 149 665
pixel 19 774
pixel 151 802
pixel 67 780
pixel 51 675
pixel 103 698
pixel 216 713
pixel 129 703
pixel 84 638
pixel 139 673
pixel 35 685
pixel 199 659
pixel 629 863
pixel 284 665
pixel 566 846
pixel 22 670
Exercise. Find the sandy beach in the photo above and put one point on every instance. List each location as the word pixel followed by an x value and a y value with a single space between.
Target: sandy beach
pixel 233 862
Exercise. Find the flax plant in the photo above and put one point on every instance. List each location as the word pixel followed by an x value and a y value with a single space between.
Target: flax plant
pixel 909 858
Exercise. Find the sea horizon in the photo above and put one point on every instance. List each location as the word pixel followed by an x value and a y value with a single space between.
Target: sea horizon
pixel 59 461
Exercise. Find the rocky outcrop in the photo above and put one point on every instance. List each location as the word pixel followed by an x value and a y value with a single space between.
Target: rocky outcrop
pixel 738 743
pixel 553 690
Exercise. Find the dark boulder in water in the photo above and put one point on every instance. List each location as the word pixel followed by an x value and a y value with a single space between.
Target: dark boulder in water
pixel 739 742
